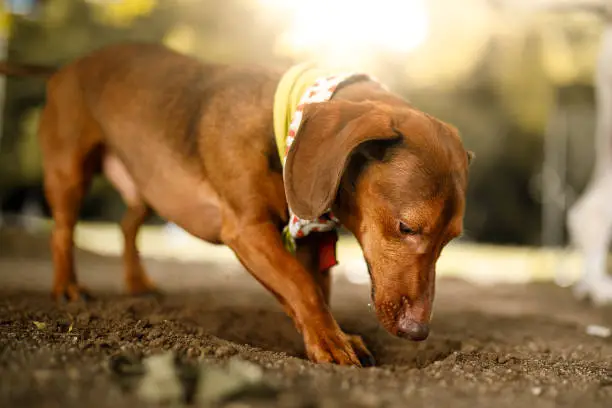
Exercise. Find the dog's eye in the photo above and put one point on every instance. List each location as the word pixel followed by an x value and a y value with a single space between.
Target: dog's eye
pixel 406 230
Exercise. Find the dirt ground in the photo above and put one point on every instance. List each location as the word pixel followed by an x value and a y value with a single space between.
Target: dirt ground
pixel 507 345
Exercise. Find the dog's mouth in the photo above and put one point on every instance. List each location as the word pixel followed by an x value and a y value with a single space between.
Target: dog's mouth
pixel 387 316
pixel 401 320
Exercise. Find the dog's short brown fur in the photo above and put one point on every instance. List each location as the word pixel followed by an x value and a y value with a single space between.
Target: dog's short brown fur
pixel 195 143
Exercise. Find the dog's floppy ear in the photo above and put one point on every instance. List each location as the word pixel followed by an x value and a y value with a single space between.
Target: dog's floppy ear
pixel 329 133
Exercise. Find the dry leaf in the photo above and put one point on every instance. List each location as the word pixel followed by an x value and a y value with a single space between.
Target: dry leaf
pixel 40 325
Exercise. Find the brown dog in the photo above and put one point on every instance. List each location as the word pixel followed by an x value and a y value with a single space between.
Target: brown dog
pixel 195 143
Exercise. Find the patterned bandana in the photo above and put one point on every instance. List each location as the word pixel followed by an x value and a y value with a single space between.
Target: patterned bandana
pixel 321 91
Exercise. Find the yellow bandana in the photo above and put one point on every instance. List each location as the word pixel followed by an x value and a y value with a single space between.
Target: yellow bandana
pixel 289 91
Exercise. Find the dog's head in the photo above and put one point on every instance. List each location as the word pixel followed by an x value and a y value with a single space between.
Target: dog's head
pixel 396 178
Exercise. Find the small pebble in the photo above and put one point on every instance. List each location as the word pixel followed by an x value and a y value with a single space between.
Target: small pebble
pixel 224 351
pixel 207 350
pixel 598 331
pixel 155 333
pixel 502 359
pixel 537 391
pixel 157 342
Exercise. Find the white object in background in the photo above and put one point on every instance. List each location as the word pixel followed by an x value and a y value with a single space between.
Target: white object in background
pixel 32 216
pixel 355 270
pixel 589 219
pixel 598 331
pixel 175 234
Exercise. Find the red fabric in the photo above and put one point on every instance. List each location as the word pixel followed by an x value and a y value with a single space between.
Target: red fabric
pixel 327 250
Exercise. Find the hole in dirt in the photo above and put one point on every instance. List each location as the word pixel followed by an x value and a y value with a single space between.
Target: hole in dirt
pixel 393 351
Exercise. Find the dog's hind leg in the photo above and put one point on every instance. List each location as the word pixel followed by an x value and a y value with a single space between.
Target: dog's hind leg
pixel 69 162
pixel 136 280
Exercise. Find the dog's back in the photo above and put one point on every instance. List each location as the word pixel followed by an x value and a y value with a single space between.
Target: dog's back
pixel 128 89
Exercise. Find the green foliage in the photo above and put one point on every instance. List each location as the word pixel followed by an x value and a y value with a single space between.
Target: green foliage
pixel 28 148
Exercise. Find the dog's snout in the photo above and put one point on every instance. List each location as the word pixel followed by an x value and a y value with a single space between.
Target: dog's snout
pixel 413 330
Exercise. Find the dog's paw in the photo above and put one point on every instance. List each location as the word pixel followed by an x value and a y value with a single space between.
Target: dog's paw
pixel 71 293
pixel 598 291
pixel 336 347
pixel 139 285
pixel 365 357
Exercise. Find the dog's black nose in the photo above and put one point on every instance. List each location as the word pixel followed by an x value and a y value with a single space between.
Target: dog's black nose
pixel 413 330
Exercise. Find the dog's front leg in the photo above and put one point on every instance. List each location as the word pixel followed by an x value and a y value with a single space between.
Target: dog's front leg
pixel 259 247
pixel 307 253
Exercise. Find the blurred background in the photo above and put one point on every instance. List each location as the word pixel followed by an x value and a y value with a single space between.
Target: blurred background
pixel 518 84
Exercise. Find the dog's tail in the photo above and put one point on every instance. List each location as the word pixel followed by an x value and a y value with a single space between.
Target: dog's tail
pixel 26 70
